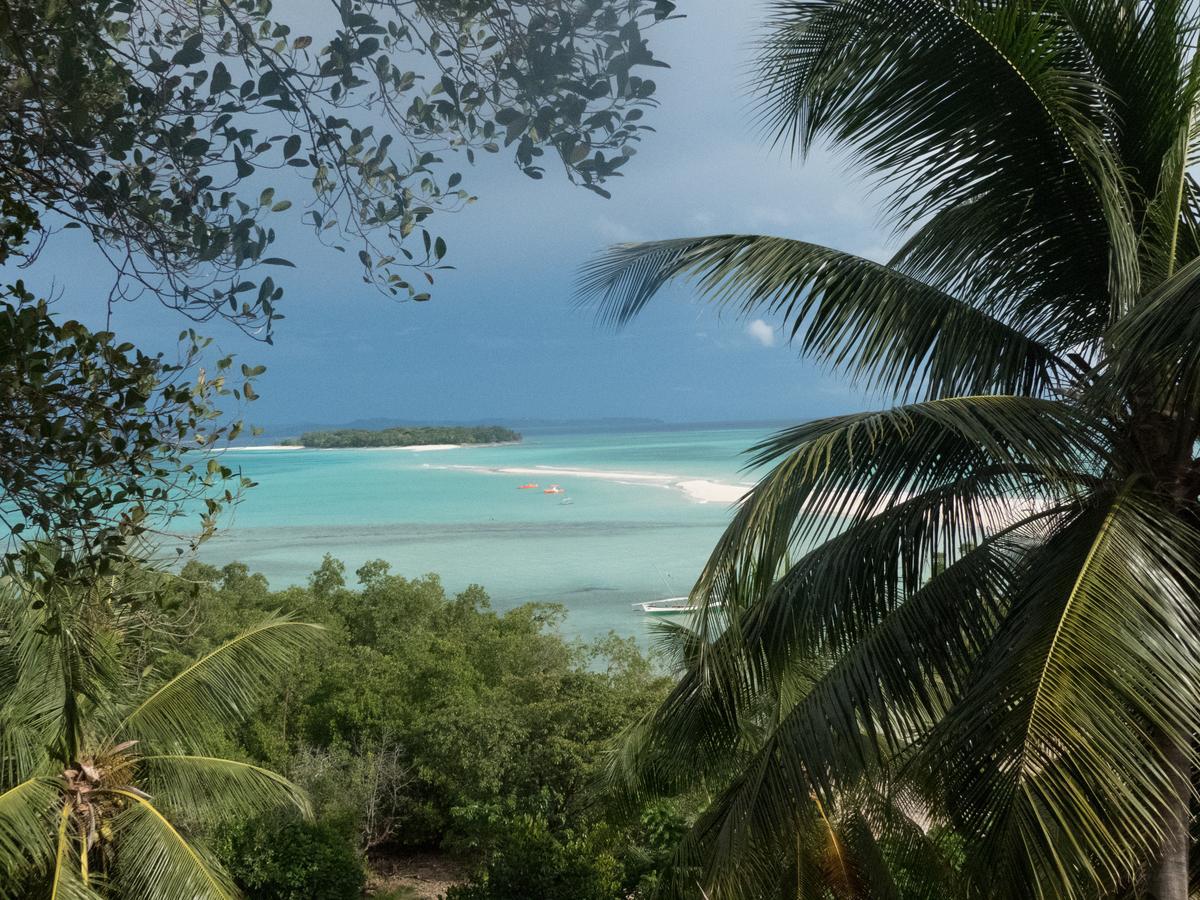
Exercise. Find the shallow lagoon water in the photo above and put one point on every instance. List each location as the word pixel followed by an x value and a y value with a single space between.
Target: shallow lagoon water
pixel 620 540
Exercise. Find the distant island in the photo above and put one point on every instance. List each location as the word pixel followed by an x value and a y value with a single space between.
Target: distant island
pixel 410 436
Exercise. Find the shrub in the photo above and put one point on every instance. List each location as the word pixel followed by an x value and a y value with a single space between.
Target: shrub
pixel 287 858
pixel 531 861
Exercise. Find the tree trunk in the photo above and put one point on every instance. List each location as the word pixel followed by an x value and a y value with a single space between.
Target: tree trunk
pixel 1169 874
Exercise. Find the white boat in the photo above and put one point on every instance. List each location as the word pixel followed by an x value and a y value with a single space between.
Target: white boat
pixel 672 606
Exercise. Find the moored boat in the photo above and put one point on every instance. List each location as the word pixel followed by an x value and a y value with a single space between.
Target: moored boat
pixel 673 606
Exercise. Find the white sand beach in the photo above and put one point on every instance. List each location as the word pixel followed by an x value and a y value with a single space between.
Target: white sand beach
pixel 712 491
pixel 702 490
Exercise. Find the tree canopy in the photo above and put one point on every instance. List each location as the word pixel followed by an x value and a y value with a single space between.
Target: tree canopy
pixel 414 435
pixel 169 129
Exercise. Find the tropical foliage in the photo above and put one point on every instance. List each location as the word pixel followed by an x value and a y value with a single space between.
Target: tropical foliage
pixel 999 577
pixel 107 769
pixel 95 439
pixel 413 435
pixel 152 123
pixel 430 723
pixel 154 126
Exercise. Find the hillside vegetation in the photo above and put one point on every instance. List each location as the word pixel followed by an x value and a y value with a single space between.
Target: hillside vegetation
pixel 429 722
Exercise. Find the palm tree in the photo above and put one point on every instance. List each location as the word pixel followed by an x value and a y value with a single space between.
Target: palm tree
pixel 1038 328
pixel 104 775
pixel 870 840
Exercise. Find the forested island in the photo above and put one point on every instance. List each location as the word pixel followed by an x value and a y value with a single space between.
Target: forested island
pixel 407 436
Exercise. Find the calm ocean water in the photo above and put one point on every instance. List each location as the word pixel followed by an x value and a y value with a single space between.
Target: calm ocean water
pixel 629 533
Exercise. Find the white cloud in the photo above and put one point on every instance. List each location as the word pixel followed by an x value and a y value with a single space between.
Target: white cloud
pixel 761 332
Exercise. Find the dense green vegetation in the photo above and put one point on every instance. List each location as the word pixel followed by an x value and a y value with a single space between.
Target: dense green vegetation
pixel 399 718
pixel 963 633
pixel 110 764
pixel 430 721
pixel 407 436
pixel 1035 699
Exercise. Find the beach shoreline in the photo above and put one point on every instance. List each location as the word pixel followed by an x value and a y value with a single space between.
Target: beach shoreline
pixel 706 491
pixel 701 490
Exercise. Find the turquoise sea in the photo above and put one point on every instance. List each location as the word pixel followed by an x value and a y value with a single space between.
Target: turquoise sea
pixel 635 527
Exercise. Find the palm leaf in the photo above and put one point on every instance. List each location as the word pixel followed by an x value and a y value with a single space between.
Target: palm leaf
pixel 67 879
pixel 882 688
pixel 838 472
pixel 901 83
pixel 1052 758
pixel 884 327
pixel 1155 350
pixel 222 687
pixel 154 860
pixel 27 821
pixel 214 788
pixel 1140 53
pixel 31 688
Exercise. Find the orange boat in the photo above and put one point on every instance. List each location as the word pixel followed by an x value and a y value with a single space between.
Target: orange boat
pixel 553 489
pixel 526 487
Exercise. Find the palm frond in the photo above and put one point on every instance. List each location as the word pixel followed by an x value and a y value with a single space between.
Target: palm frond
pixel 1139 52
pixel 222 687
pixel 27 821
pixel 1052 758
pixel 1155 350
pixel 873 704
pixel 31 688
pixel 154 860
pixel 902 83
pixel 67 881
pixel 838 472
pixel 887 329
pixel 886 685
pixel 211 788
pixel 27 721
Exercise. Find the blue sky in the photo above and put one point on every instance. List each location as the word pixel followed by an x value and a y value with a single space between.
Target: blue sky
pixel 501 338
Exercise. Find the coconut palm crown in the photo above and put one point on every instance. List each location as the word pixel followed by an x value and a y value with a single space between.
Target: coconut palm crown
pixel 1004 568
pixel 105 770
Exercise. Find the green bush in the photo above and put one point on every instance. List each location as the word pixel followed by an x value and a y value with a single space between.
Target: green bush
pixel 287 858
pixel 530 861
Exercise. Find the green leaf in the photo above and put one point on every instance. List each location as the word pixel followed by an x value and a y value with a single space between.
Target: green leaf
pixel 881 325
pixel 156 860
pixel 203 785
pixel 222 687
